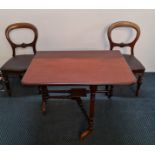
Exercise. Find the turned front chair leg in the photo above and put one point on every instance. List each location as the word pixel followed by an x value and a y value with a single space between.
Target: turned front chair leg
pixel 44 98
pixel 91 113
pixel 110 93
pixel 106 88
pixel 7 83
pixel 139 83
pixel 39 89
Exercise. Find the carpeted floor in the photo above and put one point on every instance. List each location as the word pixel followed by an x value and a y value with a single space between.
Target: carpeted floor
pixel 123 119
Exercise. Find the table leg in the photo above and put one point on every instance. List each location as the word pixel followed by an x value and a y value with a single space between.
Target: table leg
pixel 44 93
pixel 91 113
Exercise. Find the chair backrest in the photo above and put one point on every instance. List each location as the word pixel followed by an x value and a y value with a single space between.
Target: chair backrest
pixel 123 24
pixel 23 45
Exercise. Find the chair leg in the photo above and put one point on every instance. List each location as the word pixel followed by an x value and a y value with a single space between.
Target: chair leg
pixel 110 91
pixel 20 77
pixel 7 83
pixel 109 88
pixel 39 89
pixel 139 83
pixel 1 83
pixel 106 88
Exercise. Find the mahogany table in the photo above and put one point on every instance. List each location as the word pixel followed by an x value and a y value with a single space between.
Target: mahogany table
pixel 77 68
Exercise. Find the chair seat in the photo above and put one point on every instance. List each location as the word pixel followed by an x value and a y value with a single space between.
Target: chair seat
pixel 18 63
pixel 134 63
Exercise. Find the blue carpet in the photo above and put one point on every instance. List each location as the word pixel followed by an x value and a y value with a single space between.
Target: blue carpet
pixel 123 119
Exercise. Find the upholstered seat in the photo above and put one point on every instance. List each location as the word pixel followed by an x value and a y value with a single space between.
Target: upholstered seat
pixel 19 63
pixel 134 63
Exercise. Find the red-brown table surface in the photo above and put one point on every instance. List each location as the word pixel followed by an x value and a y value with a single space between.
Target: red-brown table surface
pixel 78 68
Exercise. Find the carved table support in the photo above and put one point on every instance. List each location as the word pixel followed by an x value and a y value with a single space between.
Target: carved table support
pixel 91 113
pixel 74 94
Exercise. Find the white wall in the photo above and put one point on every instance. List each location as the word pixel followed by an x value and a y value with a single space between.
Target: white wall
pixel 81 30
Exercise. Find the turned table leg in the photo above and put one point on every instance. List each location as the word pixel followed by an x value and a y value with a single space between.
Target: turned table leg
pixel 91 113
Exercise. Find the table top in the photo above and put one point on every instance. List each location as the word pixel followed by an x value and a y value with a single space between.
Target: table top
pixel 78 68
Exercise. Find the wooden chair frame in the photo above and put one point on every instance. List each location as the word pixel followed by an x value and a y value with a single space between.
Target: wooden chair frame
pixel 138 73
pixel 32 44
pixel 23 45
